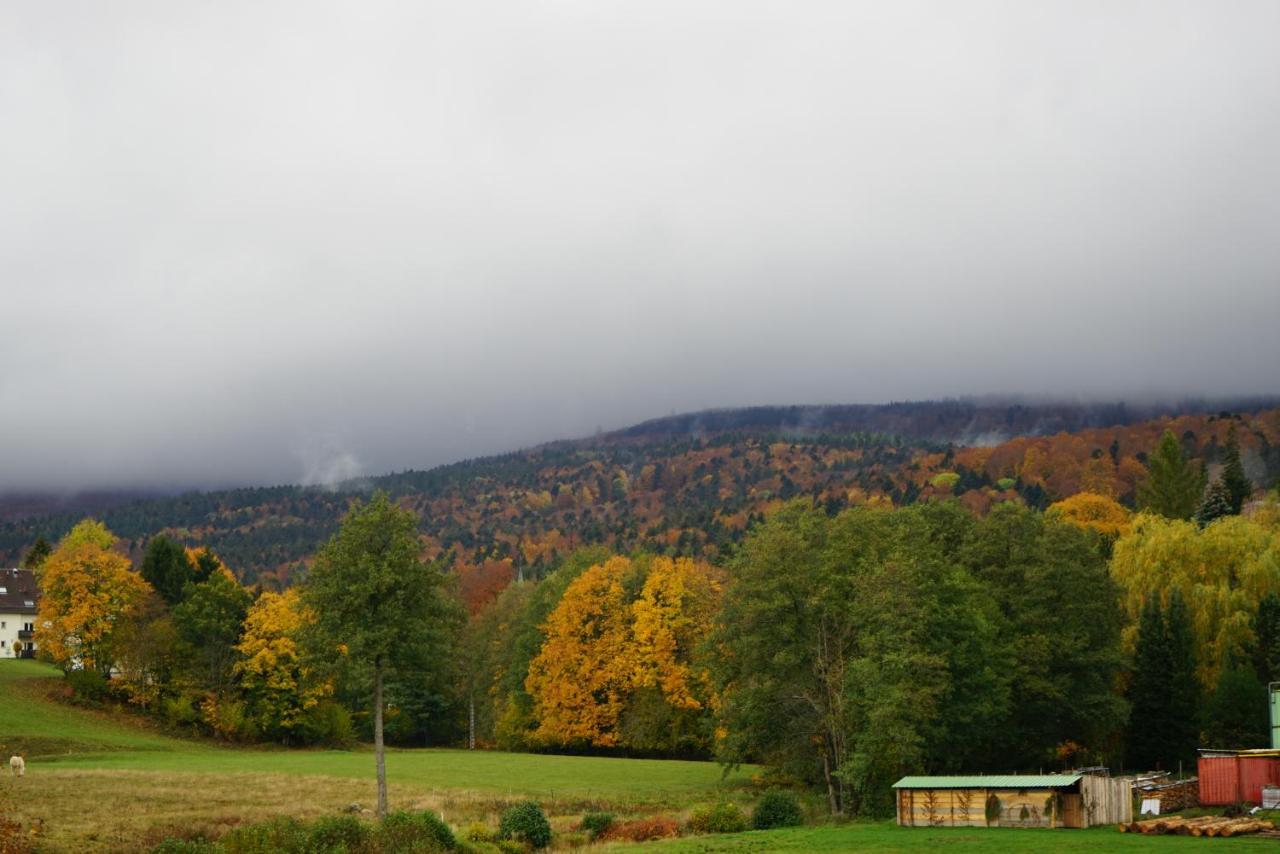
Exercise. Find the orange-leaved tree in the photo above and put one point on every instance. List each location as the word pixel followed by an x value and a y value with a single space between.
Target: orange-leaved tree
pixel 88 591
pixel 581 677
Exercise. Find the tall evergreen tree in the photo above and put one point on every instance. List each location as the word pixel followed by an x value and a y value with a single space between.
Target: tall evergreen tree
pixel 1216 504
pixel 1236 714
pixel 1233 477
pixel 1148 691
pixel 1182 735
pixel 1266 633
pixel 36 555
pixel 1174 484
pixel 166 567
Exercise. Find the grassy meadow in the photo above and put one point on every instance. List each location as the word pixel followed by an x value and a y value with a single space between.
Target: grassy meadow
pixel 98 781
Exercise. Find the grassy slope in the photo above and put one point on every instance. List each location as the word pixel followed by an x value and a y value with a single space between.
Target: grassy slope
pixel 68 737
pixel 97 782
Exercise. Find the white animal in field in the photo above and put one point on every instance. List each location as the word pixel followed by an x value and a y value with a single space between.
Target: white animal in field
pixel 17 766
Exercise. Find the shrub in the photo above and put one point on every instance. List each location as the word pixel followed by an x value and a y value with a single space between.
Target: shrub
pixel 596 823
pixel 526 822
pixel 721 818
pixel 341 834
pixel 284 835
pixel 410 831
pixel 643 830
pixel 778 808
pixel 327 723
pixel 227 718
pixel 184 846
pixel 89 686
pixel 510 846
pixel 180 710
pixel 478 831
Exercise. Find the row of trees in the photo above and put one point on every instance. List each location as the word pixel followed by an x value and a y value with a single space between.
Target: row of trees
pixel 183 639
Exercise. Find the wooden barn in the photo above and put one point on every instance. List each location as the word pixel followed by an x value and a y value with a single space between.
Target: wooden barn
pixel 1015 800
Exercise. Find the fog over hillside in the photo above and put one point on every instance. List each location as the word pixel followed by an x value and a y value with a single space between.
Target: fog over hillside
pixel 298 242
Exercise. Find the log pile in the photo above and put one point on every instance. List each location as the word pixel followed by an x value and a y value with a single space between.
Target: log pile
pixel 1172 796
pixel 1205 825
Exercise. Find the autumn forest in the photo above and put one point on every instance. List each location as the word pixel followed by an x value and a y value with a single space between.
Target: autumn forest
pixel 842 595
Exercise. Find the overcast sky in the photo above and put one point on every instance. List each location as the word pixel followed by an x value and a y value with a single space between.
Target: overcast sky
pixel 275 242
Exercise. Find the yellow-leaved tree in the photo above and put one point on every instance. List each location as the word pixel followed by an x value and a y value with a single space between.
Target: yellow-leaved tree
pixel 672 617
pixel 1093 512
pixel 278 686
pixel 1222 571
pixel 88 592
pixel 581 677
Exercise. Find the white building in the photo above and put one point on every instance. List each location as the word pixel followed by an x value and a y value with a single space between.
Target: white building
pixel 18 597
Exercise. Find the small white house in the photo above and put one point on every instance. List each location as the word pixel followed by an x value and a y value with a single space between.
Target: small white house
pixel 18 598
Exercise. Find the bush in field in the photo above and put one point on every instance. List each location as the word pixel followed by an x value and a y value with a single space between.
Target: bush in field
pixel 89 687
pixel 778 808
pixel 478 831
pixel 643 830
pixel 414 831
pixel 596 823
pixel 283 835
pixel 526 822
pixel 721 818
pixel 327 723
pixel 341 834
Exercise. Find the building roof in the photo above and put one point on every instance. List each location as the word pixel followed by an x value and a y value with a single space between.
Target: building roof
pixel 18 591
pixel 991 781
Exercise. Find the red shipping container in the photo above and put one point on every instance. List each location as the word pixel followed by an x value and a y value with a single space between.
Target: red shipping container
pixel 1236 779
pixel 1256 772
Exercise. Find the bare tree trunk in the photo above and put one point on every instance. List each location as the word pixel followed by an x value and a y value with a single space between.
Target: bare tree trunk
pixel 380 756
pixel 833 801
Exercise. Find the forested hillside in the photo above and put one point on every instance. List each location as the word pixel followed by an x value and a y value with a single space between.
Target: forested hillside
pixel 690 485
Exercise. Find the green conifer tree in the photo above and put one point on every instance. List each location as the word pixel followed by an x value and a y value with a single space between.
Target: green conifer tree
pixel 1174 484
pixel 36 555
pixel 1148 691
pixel 1238 485
pixel 1216 504
pixel 1236 714
pixel 1182 735
pixel 1266 633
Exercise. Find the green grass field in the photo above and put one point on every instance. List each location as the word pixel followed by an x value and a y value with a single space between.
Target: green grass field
pixel 108 782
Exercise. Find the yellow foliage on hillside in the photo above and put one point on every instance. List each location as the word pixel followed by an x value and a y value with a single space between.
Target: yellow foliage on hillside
pixel 1094 512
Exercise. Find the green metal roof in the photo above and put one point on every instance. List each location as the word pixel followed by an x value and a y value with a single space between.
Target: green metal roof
pixel 990 781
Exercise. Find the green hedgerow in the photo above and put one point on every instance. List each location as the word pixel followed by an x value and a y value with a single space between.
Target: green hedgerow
pixel 596 823
pixel 778 808
pixel 722 818
pixel 526 822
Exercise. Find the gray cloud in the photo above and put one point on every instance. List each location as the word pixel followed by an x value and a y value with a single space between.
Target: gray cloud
pixel 254 243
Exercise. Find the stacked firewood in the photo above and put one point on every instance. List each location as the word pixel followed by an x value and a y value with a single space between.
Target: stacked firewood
pixel 1172 796
pixel 1205 825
